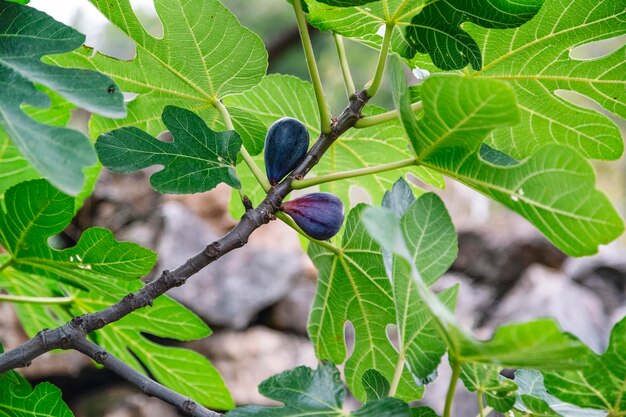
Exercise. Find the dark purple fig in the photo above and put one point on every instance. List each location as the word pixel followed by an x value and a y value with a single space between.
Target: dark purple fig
pixel 319 215
pixel 286 144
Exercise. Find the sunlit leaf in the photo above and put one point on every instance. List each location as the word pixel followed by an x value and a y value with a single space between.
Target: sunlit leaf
pixel 353 286
pixel 537 60
pixel 486 380
pixel 534 399
pixel 96 273
pixel 205 54
pixel 554 188
pixel 599 386
pixel 538 344
pixel 420 27
pixel 18 399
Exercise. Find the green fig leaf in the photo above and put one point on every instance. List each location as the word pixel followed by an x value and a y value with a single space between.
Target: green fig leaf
pixel 554 188
pixel 195 161
pixel 55 152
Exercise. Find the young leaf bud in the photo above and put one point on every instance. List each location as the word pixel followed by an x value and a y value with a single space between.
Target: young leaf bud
pixel 286 144
pixel 319 215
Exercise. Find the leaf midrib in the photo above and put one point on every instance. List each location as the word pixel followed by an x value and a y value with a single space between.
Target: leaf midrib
pixel 536 41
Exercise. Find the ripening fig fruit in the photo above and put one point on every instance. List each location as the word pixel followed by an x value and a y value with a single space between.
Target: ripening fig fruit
pixel 319 215
pixel 286 144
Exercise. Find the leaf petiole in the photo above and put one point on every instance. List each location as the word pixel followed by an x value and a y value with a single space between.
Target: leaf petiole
pixel 384 117
pixel 16 299
pixel 397 375
pixel 373 87
pixel 313 71
pixel 254 168
pixel 456 373
pixel 309 182
pixel 481 404
pixel 345 66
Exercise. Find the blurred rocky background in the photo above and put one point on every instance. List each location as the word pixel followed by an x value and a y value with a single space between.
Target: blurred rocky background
pixel 257 298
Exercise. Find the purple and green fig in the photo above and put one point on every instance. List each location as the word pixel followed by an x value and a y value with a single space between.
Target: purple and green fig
pixel 286 144
pixel 319 215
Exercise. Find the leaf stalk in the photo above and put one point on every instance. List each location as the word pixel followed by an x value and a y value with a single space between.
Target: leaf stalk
pixel 345 66
pixel 456 373
pixel 17 299
pixel 372 89
pixel 397 375
pixel 324 109
pixel 385 117
pixel 254 168
pixel 336 176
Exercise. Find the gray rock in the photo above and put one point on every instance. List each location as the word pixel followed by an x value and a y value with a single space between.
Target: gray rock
pixel 247 358
pixel 292 312
pixel 142 233
pixel 121 401
pixel 499 260
pixel 618 315
pixel 233 290
pixel 474 301
pixel 544 292
pixel 120 200
pixel 604 274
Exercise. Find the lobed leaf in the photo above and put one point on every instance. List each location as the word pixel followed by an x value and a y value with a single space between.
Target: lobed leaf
pixel 539 344
pixel 319 393
pixel 19 399
pixel 538 61
pixel 554 188
pixel 55 152
pixel 100 271
pixel 205 54
pixel 14 167
pixel 195 161
pixel 438 29
pixel 534 399
pixel 599 386
pixel 486 380
pixel 432 244
pixel 376 385
pixel 353 286
pixel 421 27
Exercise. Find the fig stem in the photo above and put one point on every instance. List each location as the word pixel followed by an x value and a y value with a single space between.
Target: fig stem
pixel 456 373
pixel 345 66
pixel 325 116
pixel 481 403
pixel 336 176
pixel 385 117
pixel 254 168
pixel 397 375
pixel 291 223
pixel 373 87
pixel 16 299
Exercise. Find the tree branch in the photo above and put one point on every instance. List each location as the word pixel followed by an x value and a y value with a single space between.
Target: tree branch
pixel 72 335
pixel 148 386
